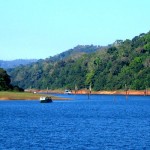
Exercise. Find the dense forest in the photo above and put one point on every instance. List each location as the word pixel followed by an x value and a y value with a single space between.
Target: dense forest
pixel 5 82
pixel 105 68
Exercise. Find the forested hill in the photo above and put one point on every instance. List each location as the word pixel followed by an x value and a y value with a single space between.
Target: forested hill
pixel 15 63
pixel 110 68
pixel 76 52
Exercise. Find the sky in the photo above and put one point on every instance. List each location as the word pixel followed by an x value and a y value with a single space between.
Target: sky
pixel 38 29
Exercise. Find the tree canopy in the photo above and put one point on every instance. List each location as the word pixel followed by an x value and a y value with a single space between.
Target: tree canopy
pixel 5 82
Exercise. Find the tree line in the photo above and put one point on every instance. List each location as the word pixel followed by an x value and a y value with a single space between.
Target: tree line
pixel 5 82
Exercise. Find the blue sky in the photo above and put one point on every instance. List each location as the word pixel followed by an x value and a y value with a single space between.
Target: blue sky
pixel 43 28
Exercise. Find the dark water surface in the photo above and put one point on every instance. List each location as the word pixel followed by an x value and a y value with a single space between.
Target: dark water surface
pixel 101 122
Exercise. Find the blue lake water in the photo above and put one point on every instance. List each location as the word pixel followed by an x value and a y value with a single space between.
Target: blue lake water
pixel 100 122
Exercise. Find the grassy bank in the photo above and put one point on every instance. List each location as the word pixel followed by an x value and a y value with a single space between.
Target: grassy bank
pixel 23 96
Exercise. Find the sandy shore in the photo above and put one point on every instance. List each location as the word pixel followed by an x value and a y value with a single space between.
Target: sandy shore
pixel 117 92
pixel 130 92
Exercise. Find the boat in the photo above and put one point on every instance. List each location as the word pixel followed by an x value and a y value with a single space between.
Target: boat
pixel 67 92
pixel 46 99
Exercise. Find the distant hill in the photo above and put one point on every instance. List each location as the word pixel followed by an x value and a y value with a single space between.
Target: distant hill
pixel 77 52
pixel 15 63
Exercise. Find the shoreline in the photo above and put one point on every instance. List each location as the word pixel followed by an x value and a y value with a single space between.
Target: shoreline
pixel 129 92
pixel 36 94
pixel 85 91
pixel 5 95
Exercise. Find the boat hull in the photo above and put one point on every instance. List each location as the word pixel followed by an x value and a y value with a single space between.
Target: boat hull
pixel 46 99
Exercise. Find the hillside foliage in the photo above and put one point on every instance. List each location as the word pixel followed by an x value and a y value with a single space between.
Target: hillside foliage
pixel 126 63
pixel 5 82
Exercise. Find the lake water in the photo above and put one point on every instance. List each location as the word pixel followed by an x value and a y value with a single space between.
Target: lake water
pixel 100 122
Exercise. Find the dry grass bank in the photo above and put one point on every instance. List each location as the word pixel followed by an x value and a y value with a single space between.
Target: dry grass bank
pixel 23 96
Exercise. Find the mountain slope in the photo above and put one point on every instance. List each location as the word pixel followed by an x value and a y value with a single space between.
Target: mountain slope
pixel 76 52
pixel 107 68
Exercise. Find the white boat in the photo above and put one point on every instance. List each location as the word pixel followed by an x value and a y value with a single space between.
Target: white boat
pixel 46 99
pixel 67 92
